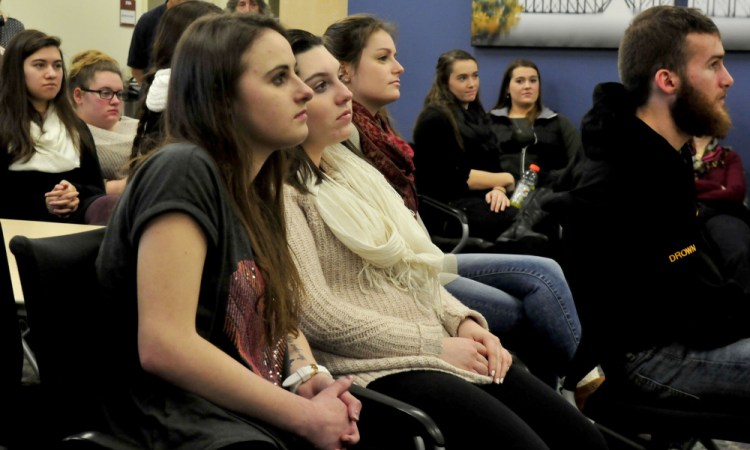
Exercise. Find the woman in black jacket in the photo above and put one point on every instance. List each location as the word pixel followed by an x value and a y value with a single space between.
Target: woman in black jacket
pixel 530 133
pixel 456 154
pixel 50 170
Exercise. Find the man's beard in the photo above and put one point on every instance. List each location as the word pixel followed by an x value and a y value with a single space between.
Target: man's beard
pixel 696 115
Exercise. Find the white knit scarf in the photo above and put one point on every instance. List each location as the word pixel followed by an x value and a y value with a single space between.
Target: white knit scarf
pixel 54 152
pixel 156 99
pixel 369 217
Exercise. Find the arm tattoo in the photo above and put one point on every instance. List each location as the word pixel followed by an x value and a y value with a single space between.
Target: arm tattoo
pixel 295 353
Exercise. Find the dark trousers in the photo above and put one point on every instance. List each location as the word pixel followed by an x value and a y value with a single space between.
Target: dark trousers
pixel 731 237
pixel 521 413
pixel 483 222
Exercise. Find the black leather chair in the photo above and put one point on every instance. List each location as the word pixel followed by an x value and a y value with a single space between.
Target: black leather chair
pixel 61 293
pixel 11 355
pixel 634 423
pixel 56 275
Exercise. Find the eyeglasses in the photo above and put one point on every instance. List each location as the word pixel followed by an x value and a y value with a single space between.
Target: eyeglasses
pixel 106 94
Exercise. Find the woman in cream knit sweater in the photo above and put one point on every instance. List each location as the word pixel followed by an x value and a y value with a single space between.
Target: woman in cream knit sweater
pixel 374 307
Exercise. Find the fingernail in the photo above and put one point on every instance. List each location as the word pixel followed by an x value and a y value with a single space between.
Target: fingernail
pixel 492 374
pixel 501 380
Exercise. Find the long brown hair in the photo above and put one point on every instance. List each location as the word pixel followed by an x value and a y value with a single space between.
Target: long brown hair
pixel 202 109
pixel 440 95
pixel 16 109
pixel 504 100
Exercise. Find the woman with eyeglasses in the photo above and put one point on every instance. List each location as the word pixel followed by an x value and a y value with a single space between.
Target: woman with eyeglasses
pixel 50 167
pixel 98 93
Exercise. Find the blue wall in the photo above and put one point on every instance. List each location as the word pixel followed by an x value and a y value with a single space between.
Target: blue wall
pixel 427 28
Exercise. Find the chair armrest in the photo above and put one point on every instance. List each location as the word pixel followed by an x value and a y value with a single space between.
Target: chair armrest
pixel 453 213
pixel 387 412
pixel 96 440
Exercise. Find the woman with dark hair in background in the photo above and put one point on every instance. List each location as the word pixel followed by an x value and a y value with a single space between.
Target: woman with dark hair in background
pixel 203 292
pixel 173 23
pixel 248 6
pixel 525 299
pixel 458 156
pixel 530 133
pixel 47 155
pixel 723 214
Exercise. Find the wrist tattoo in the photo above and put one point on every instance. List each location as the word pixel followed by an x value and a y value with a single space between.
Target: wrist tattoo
pixel 295 353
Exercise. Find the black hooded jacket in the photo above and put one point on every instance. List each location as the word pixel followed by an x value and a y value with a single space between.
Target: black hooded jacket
pixel 635 259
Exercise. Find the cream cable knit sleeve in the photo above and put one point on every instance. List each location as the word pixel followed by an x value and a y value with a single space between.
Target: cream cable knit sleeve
pixel 333 324
pixel 365 332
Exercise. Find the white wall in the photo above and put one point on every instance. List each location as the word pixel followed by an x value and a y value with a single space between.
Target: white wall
pixel 81 24
pixel 95 24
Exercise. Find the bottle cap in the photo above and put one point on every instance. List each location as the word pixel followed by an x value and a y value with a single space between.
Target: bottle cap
pixel 534 167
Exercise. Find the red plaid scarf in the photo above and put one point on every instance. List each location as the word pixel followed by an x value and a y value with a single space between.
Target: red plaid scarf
pixel 392 156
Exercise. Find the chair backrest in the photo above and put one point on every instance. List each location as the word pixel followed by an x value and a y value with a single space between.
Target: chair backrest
pixel 11 353
pixel 61 295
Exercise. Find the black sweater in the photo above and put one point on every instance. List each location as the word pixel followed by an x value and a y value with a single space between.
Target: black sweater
pixel 442 166
pixel 636 261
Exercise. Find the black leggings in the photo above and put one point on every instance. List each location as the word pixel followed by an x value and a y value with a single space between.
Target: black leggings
pixel 521 413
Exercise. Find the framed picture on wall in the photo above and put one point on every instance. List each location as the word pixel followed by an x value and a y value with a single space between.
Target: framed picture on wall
pixel 589 23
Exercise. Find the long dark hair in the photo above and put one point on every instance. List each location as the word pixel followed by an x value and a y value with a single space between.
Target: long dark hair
pixel 202 109
pixel 16 109
pixel 440 95
pixel 504 100
pixel 172 25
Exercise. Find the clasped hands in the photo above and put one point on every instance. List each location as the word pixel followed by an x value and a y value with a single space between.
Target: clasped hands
pixel 477 350
pixel 338 404
pixel 62 200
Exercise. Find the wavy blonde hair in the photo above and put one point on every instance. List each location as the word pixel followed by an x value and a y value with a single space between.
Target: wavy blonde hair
pixel 86 64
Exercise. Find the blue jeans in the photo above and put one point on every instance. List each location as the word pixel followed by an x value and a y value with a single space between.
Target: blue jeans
pixel 718 376
pixel 527 303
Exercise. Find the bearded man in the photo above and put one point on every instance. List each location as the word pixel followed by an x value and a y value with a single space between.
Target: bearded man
pixel 669 326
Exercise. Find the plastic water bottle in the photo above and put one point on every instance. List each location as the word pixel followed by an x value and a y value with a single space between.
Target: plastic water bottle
pixel 525 186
